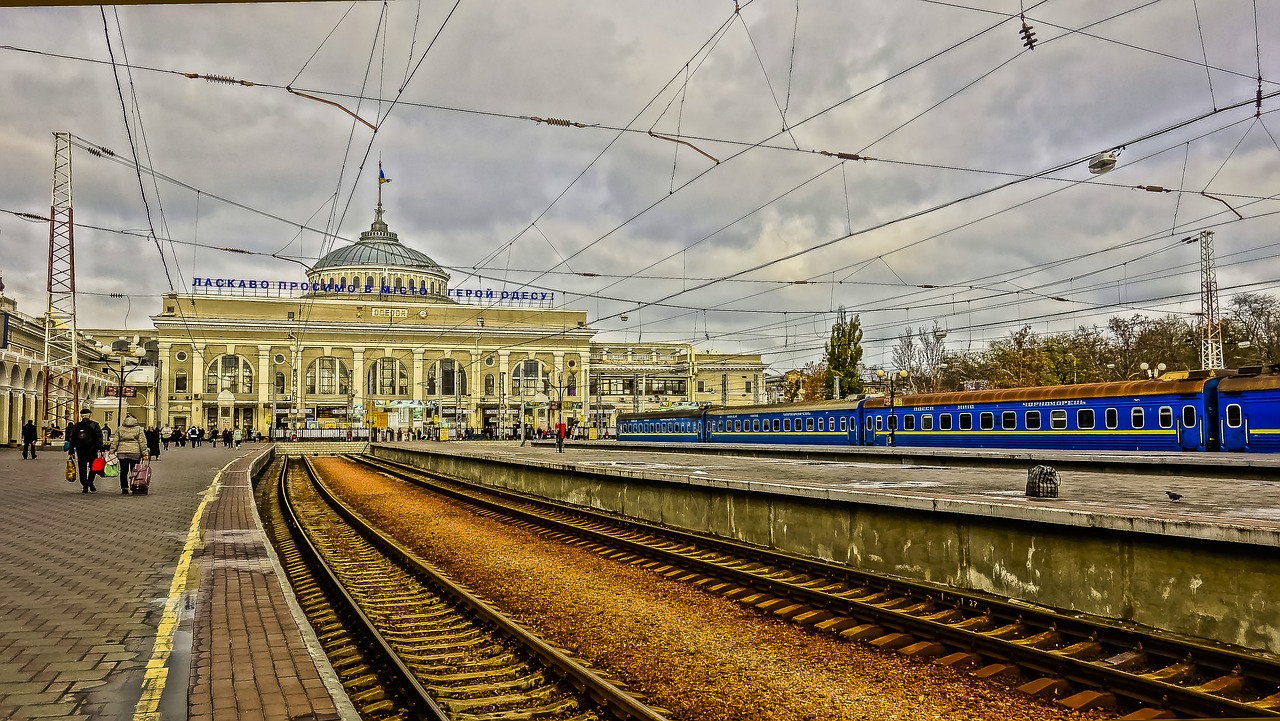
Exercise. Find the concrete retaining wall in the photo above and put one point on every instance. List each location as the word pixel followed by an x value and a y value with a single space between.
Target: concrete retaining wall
pixel 1223 591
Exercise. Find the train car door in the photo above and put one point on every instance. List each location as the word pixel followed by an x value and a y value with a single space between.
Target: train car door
pixel 1235 425
pixel 1190 430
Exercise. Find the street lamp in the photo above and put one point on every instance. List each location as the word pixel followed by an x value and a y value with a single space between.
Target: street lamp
pixel 1152 372
pixel 123 349
pixel 891 379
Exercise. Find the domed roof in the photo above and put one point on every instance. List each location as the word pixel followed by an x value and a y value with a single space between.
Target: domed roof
pixel 378 247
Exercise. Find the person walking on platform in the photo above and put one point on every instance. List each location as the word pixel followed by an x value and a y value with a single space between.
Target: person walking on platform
pixel 238 437
pixel 226 437
pixel 85 437
pixel 130 446
pixel 29 437
pixel 560 431
pixel 213 437
pixel 166 433
pixel 153 442
pixel 179 437
pixel 193 435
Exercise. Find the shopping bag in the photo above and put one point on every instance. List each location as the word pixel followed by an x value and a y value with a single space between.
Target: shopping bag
pixel 99 465
pixel 71 470
pixel 112 467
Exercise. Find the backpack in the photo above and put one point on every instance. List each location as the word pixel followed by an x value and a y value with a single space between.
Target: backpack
pixel 84 435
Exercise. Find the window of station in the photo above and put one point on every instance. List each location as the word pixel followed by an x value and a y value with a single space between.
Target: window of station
pixel 1032 419
pixel 1138 418
pixel 944 421
pixel 1188 416
pixel 1166 417
pixel 1084 419
pixel 1112 418
pixel 808 424
pixel 966 421
pixel 909 422
pixel 926 422
pixel 1009 420
pixel 1235 418
pixel 1058 419
pixel 986 420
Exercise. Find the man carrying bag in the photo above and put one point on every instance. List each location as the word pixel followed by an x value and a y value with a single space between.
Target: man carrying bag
pixel 85 437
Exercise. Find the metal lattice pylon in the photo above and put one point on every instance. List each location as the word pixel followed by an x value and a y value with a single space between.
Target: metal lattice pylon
pixel 1211 324
pixel 61 357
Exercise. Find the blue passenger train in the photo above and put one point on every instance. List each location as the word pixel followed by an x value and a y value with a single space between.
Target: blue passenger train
pixel 1206 412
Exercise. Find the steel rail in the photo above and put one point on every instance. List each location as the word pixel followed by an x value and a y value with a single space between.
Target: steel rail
pixel 410 695
pixel 1116 638
pixel 618 704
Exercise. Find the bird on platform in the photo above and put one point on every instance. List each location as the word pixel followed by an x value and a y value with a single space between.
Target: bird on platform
pixel 1173 496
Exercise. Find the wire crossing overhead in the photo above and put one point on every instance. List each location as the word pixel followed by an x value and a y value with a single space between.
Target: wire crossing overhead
pixel 79 3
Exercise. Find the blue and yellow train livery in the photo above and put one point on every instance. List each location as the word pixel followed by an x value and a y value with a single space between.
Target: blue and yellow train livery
pixel 1236 411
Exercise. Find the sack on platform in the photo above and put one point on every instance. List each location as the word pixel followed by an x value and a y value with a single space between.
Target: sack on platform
pixel 71 470
pixel 112 467
pixel 99 465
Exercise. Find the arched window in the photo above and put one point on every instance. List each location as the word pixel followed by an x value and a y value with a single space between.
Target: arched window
pixel 571 385
pixel 180 382
pixel 343 280
pixel 447 378
pixel 280 383
pixel 399 282
pixel 368 280
pixel 230 373
pixel 328 376
pixel 528 378
pixel 488 384
pixel 412 285
pixel 387 377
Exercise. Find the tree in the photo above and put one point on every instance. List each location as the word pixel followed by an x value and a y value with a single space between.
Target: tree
pixel 1255 319
pixel 922 354
pixel 813 382
pixel 1020 361
pixel 792 385
pixel 844 355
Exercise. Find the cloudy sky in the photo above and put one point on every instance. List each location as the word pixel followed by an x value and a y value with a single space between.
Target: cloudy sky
pixel 974 209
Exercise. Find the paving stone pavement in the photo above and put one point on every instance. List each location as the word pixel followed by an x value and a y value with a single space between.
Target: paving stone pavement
pixel 84 584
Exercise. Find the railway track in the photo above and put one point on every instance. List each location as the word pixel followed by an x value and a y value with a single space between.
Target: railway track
pixel 1083 662
pixel 415 644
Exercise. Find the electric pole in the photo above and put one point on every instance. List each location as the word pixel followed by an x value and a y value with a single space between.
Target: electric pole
pixel 61 394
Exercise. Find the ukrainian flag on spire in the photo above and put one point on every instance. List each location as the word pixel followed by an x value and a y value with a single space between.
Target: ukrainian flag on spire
pixel 382 177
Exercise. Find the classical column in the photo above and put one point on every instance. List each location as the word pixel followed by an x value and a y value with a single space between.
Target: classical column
pixel 358 381
pixel 419 391
pixel 196 384
pixel 4 415
pixel 164 383
pixel 266 382
pixel 584 390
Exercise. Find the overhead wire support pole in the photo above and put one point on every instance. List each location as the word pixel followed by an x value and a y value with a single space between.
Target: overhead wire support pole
pixel 1211 330
pixel 61 392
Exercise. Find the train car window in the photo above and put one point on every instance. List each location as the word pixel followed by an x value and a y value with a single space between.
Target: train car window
pixel 777 424
pixel 1009 420
pixel 1032 419
pixel 1112 417
pixel 755 425
pixel 1084 419
pixel 1166 417
pixel 986 420
pixel 808 424
pixel 1188 416
pixel 831 423
pixel 737 426
pixel 944 422
pixel 909 422
pixel 966 421
pixel 870 423
pixel 786 424
pixel 844 424
pixel 879 423
pixel 1137 418
pixel 893 422
pixel 1058 419
pixel 926 422
pixel 1234 417
pixel 822 424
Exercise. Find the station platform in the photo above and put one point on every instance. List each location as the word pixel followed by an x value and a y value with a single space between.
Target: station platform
pixel 164 606
pixel 1128 492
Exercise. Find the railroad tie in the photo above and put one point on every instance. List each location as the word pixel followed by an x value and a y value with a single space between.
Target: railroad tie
pixel 1089 700
pixel 1045 687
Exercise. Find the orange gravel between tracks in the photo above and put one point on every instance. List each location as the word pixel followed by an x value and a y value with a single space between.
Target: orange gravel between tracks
pixel 702 657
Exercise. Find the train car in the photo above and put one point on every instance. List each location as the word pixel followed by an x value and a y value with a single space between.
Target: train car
pixel 676 425
pixel 822 423
pixel 1132 415
pixel 1249 410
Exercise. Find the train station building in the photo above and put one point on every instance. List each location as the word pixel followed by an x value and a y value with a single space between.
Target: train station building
pixel 376 335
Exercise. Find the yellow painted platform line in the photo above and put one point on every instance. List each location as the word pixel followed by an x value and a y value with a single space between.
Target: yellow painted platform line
pixel 157 673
